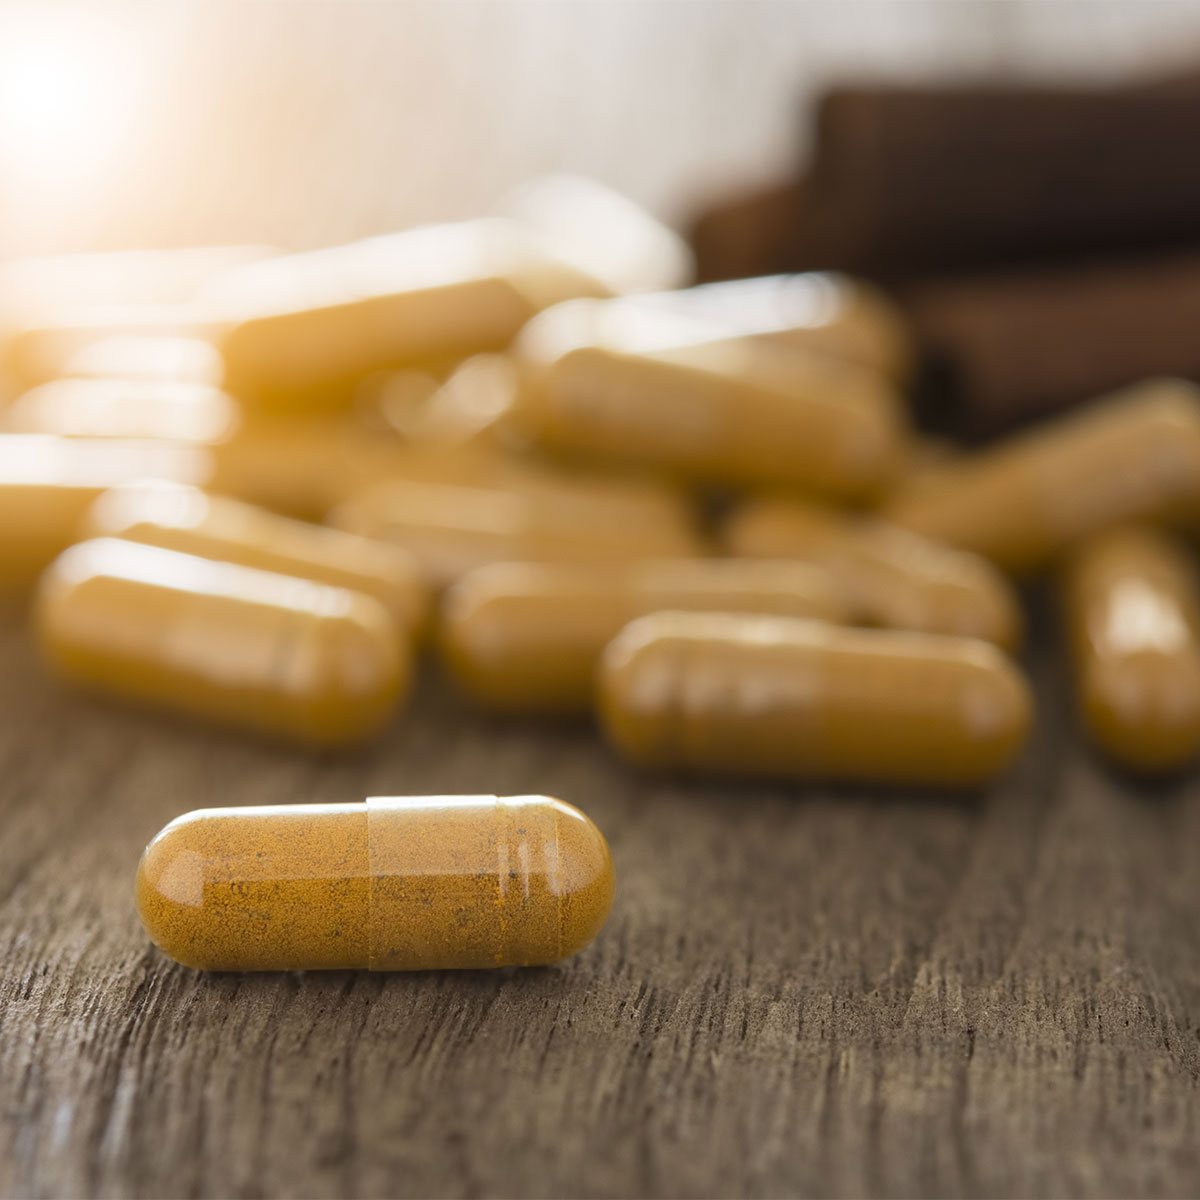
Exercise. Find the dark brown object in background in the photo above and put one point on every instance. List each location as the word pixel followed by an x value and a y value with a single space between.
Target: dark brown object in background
pixel 1018 345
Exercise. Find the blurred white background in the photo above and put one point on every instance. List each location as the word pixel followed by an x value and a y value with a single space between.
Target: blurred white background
pixel 306 123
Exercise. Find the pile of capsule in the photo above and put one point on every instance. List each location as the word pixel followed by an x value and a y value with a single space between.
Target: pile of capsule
pixel 250 487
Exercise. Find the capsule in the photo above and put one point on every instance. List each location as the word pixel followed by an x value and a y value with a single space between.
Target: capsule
pixel 626 383
pixel 288 657
pixel 150 357
pixel 821 311
pixel 522 637
pixel 307 327
pixel 48 483
pixel 451 529
pixel 1132 605
pixel 397 883
pixel 798 699
pixel 1021 504
pixel 890 577
pixel 189 520
pixel 139 408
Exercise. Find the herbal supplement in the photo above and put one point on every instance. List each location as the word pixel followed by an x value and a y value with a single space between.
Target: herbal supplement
pixel 522 637
pixel 627 383
pixel 1026 500
pixel 804 700
pixel 301 660
pixel 890 577
pixel 47 484
pixel 452 529
pixel 186 519
pixel 307 327
pixel 1132 603
pixel 826 312
pixel 393 884
pixel 139 408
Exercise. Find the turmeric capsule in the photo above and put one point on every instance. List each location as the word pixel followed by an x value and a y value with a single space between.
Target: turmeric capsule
pixel 139 408
pixel 804 700
pixel 284 656
pixel 630 384
pixel 393 884
pixel 1022 503
pixel 187 519
pixel 452 529
pixel 1132 601
pixel 826 312
pixel 523 637
pixel 47 484
pixel 307 327
pixel 890 577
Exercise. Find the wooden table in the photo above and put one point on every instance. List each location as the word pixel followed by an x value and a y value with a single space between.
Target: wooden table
pixel 799 992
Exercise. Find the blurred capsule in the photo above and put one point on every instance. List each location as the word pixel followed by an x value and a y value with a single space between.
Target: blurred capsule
pixel 889 577
pixel 288 657
pixel 451 530
pixel 522 637
pixel 1132 602
pixel 805 700
pixel 186 519
pixel 1024 501
pixel 603 232
pixel 828 313
pixel 398 883
pixel 146 408
pixel 147 357
pixel 307 328
pixel 623 382
pixel 47 484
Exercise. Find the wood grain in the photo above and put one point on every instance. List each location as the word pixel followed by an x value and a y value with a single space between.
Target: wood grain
pixel 819 992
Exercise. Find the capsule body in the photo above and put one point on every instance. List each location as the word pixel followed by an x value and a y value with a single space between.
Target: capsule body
pixel 48 483
pixel 392 884
pixel 284 656
pixel 451 529
pixel 804 700
pixel 189 520
pixel 522 637
pixel 629 384
pixel 890 577
pixel 1132 605
pixel 1021 504
pixel 305 328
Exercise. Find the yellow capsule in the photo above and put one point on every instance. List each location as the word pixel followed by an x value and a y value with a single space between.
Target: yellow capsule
pixel 1024 501
pixel 522 637
pixel 392 884
pixel 626 383
pixel 890 577
pixel 1132 602
pixel 829 313
pixel 139 408
pixel 307 327
pixel 452 529
pixel 47 484
pixel 187 519
pixel 804 700
pixel 284 656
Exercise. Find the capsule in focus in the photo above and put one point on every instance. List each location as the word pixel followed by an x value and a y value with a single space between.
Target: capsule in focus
pixel 626 383
pixel 306 328
pixel 522 637
pixel 1022 503
pixel 781 697
pixel 47 484
pixel 890 577
pixel 1132 605
pixel 451 529
pixel 189 520
pixel 288 657
pixel 392 884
